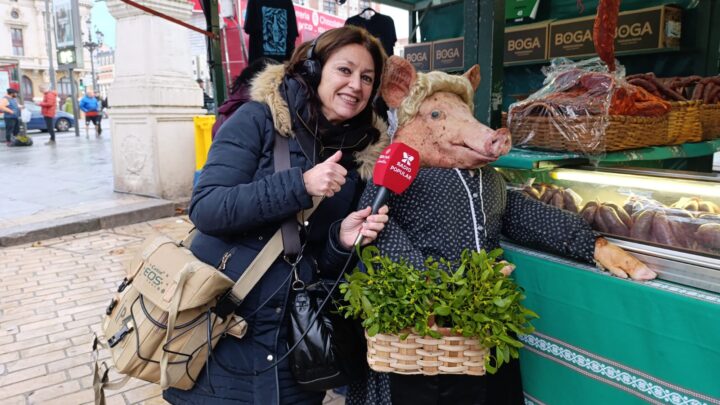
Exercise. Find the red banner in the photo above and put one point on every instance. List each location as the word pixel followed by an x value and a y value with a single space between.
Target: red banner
pixel 311 23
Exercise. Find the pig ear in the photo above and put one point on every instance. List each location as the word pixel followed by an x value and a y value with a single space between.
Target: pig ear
pixel 473 74
pixel 397 79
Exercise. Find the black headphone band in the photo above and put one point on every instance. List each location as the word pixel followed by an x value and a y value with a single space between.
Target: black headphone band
pixel 311 51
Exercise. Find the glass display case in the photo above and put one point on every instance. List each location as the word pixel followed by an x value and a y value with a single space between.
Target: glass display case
pixel 671 219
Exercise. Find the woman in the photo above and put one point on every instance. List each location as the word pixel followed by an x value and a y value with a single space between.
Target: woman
pixel 239 202
pixel 240 91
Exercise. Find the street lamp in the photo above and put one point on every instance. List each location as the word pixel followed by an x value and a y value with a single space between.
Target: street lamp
pixel 91 47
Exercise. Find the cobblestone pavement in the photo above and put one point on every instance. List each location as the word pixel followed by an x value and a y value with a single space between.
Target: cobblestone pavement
pixel 52 295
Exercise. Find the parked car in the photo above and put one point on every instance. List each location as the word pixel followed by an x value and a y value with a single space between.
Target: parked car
pixel 62 121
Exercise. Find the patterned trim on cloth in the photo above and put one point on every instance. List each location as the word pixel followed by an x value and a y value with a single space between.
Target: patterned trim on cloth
pixel 685 291
pixel 632 381
pixel 688 292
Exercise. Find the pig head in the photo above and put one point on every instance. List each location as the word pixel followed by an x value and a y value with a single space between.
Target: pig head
pixel 435 116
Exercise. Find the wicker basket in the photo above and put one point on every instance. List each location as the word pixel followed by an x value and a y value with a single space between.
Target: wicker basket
pixel 622 132
pixel 710 119
pixel 684 122
pixel 426 355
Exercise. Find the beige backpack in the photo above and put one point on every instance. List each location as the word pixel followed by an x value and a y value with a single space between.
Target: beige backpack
pixel 157 326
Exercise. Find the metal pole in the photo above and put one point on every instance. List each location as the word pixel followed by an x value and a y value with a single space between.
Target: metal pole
pixel 91 46
pixel 73 94
pixel 48 40
pixel 92 69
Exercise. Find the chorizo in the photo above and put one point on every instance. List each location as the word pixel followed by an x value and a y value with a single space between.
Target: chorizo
pixel 692 205
pixel 613 222
pixel 599 222
pixel 645 84
pixel 661 231
pixel 706 92
pixel 668 93
pixel 707 206
pixel 532 192
pixel 622 214
pixel 588 213
pixel 698 91
pixel 709 235
pixel 684 238
pixel 604 28
pixel 558 200
pixel 642 225
pixel 548 195
pixel 572 200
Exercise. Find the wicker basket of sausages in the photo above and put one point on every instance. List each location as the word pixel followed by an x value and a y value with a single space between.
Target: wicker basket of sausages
pixel 708 91
pixel 684 123
pixel 582 108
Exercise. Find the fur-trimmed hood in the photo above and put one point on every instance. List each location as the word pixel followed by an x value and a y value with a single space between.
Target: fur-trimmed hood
pixel 265 89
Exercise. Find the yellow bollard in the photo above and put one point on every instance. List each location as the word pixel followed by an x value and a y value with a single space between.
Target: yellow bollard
pixel 203 138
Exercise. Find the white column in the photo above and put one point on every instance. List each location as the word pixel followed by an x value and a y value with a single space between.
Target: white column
pixel 153 100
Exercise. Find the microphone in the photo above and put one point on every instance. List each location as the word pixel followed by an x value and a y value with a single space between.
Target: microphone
pixel 395 169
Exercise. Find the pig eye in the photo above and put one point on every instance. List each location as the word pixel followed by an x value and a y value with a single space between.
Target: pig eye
pixel 435 114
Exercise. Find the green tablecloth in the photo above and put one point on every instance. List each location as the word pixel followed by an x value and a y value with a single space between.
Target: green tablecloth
pixel 531 159
pixel 603 340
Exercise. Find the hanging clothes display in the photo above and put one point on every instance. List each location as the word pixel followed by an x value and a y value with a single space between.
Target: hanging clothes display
pixel 272 28
pixel 377 24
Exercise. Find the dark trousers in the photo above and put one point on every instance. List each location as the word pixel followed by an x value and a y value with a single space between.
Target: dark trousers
pixel 444 389
pixel 12 128
pixel 50 127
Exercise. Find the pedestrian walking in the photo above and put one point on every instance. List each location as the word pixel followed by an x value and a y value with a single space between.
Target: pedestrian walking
pixel 11 114
pixel 91 107
pixel 101 110
pixel 320 102
pixel 68 105
pixel 48 110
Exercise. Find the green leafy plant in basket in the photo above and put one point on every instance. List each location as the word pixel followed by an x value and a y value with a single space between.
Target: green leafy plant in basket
pixel 469 297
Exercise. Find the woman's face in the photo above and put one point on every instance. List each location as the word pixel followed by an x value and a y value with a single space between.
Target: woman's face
pixel 346 83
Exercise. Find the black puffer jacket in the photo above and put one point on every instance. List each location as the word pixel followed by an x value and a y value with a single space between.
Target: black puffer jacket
pixel 237 205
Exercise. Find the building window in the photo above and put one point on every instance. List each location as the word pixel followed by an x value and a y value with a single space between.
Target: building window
pixel 26 88
pixel 64 86
pixel 16 36
pixel 330 6
pixel 15 14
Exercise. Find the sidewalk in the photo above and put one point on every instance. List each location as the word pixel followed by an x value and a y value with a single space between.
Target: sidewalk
pixel 52 296
pixel 49 191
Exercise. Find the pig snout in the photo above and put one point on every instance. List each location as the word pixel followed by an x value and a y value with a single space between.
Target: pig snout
pixel 498 143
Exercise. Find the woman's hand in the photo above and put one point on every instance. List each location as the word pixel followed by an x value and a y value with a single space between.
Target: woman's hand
pixel 361 221
pixel 620 262
pixel 326 178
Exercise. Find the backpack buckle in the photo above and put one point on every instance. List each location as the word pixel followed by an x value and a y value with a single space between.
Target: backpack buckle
pixel 124 285
pixel 120 335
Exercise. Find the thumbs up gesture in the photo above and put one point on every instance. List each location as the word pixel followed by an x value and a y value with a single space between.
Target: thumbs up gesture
pixel 326 178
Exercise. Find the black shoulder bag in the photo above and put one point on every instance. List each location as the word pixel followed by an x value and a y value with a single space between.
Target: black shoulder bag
pixel 331 350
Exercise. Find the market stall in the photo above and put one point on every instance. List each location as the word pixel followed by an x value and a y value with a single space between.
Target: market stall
pixel 601 339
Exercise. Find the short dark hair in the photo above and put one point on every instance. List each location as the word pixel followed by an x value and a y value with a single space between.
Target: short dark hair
pixel 330 42
pixel 250 71
pixel 10 90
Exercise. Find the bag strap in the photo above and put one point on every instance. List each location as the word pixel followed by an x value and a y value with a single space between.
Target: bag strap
pixel 281 161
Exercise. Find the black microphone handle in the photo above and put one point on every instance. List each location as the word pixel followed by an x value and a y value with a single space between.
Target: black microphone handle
pixel 380 199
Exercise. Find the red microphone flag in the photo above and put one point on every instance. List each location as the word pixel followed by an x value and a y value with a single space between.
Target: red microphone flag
pixel 396 167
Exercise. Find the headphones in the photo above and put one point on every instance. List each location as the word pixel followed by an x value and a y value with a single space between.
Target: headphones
pixel 311 67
